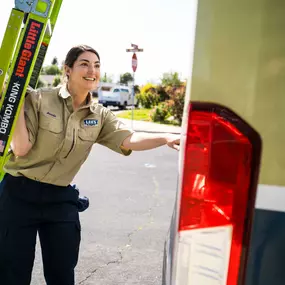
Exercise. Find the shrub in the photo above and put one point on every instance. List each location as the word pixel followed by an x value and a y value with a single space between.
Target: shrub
pixel 162 92
pixel 147 100
pixel 159 113
pixel 56 81
pixel 137 89
pixel 176 102
pixel 149 87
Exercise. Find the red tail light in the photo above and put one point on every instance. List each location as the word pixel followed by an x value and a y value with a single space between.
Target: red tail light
pixel 221 165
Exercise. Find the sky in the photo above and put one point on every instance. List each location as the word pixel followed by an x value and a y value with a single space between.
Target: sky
pixel 160 27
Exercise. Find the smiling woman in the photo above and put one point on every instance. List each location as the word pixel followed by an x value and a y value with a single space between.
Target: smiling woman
pixel 54 134
pixel 82 68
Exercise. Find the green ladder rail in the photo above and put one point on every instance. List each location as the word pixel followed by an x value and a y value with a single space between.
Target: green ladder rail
pixel 22 53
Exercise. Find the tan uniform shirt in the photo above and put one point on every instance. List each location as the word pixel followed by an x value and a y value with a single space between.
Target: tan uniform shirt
pixel 62 138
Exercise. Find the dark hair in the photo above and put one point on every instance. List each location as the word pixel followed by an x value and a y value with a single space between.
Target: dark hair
pixel 75 52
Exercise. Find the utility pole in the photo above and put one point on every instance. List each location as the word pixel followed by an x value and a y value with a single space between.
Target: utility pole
pixel 134 49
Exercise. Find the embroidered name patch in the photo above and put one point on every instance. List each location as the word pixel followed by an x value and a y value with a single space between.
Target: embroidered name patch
pixel 53 115
pixel 91 122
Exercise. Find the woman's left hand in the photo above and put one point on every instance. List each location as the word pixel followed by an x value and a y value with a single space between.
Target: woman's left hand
pixel 173 141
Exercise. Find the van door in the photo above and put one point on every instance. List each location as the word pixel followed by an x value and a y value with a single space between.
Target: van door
pixel 124 96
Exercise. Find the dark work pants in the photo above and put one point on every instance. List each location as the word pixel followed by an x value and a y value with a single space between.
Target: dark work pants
pixel 28 207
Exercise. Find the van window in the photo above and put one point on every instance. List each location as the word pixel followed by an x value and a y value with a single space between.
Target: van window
pixel 105 88
pixel 117 90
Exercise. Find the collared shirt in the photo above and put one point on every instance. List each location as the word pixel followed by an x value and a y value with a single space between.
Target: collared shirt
pixel 63 138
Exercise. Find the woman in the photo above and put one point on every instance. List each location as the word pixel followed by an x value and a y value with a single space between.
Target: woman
pixel 53 137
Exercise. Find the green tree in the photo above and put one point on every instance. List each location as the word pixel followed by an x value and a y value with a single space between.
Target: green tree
pixel 171 79
pixel 106 78
pixel 51 70
pixel 125 78
pixel 54 61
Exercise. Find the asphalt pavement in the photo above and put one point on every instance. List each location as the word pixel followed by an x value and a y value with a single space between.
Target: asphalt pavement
pixel 124 229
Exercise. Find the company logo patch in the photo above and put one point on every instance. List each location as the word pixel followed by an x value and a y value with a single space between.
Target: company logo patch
pixel 90 122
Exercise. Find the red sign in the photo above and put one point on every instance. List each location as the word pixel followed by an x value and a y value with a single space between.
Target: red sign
pixel 134 62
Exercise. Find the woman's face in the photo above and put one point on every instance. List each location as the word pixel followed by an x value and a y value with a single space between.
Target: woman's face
pixel 85 73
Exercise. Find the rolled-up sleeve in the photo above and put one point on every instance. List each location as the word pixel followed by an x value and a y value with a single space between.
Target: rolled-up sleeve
pixel 32 102
pixel 113 133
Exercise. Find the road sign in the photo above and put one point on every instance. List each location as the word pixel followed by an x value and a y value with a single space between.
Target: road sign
pixel 134 49
pixel 135 46
pixel 134 62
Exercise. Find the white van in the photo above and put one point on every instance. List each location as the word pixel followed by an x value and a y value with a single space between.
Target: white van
pixel 116 96
pixel 228 223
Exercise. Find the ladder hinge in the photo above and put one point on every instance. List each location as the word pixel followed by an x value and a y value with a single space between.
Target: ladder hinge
pixel 37 7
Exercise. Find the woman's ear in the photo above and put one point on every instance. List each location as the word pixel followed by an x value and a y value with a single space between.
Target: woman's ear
pixel 67 70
